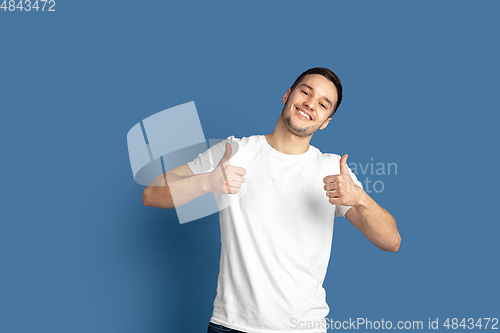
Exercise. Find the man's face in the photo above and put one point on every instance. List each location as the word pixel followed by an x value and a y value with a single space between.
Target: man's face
pixel 308 107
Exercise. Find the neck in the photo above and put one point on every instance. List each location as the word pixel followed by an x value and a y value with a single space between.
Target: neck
pixel 286 142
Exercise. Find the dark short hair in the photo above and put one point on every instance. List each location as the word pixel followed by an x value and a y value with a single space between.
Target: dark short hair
pixel 330 76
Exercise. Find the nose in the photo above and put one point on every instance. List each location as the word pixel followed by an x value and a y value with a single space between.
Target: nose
pixel 309 102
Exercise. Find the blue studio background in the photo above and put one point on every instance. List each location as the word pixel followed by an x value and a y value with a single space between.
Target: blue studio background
pixel 79 251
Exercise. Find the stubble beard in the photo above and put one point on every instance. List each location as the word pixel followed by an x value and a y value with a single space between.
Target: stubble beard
pixel 295 129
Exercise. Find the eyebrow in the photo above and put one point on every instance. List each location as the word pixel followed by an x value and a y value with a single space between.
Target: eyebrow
pixel 311 88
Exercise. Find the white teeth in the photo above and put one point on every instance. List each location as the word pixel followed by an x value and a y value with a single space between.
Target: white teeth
pixel 305 115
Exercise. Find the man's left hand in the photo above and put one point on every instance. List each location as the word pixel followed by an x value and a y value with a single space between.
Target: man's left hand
pixel 341 189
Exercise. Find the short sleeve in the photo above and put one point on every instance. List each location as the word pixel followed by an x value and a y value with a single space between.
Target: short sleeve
pixel 209 159
pixel 342 210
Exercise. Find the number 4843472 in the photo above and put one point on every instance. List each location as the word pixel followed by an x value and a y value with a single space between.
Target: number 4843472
pixel 27 5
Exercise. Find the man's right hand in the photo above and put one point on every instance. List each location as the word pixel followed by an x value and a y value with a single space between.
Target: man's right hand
pixel 226 178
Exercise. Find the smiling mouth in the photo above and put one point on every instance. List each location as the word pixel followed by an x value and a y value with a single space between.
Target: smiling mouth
pixel 303 114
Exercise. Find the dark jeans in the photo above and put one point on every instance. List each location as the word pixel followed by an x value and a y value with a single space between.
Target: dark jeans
pixel 214 328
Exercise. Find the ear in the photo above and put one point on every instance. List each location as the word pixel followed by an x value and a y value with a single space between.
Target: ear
pixel 285 98
pixel 325 123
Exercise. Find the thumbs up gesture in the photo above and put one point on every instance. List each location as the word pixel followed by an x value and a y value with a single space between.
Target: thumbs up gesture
pixel 226 178
pixel 341 189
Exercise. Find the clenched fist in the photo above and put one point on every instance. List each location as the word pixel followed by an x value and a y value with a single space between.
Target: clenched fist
pixel 341 189
pixel 226 178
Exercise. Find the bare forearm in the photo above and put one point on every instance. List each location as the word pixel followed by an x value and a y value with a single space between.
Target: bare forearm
pixel 379 225
pixel 170 190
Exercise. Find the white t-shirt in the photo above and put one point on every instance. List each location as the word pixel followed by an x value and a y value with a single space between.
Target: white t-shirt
pixel 276 236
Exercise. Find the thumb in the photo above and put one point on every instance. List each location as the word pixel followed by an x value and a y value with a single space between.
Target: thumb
pixel 227 154
pixel 344 170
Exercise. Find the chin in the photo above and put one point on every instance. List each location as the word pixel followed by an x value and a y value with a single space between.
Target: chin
pixel 298 131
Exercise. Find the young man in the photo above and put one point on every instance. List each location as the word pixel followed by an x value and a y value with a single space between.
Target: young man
pixel 278 197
